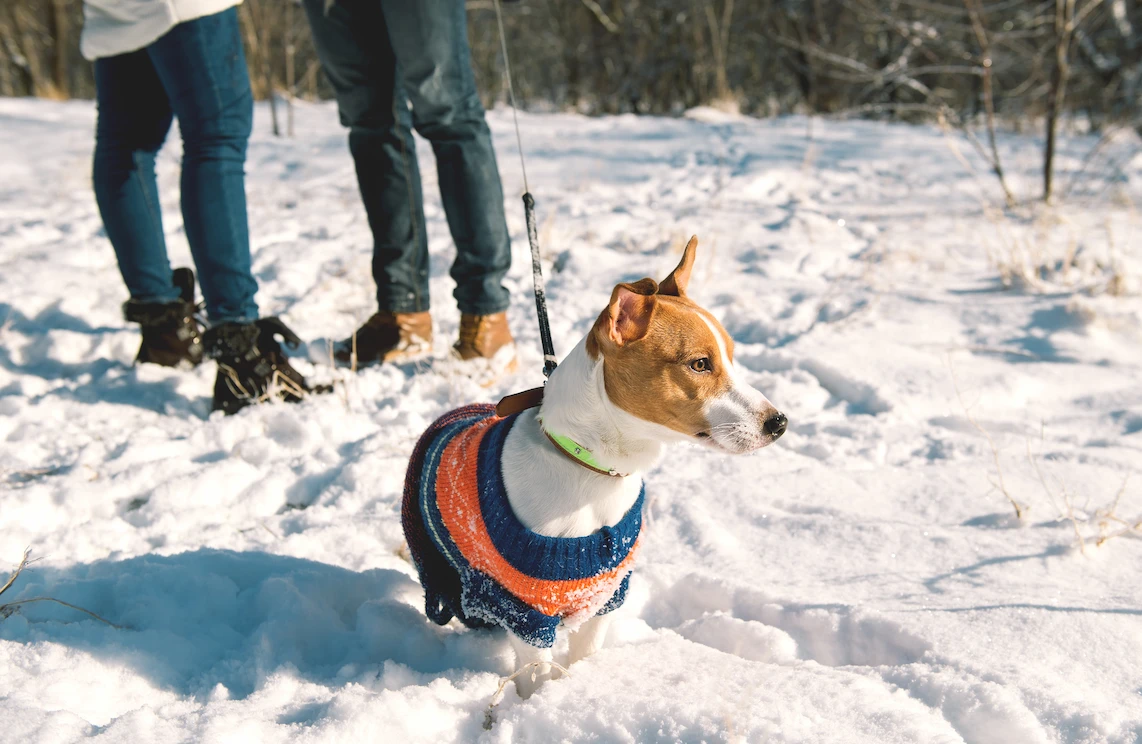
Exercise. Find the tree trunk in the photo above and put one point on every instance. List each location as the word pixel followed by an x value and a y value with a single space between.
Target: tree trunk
pixel 1064 26
pixel 61 34
pixel 26 44
pixel 291 53
pixel 975 13
pixel 259 48
pixel 719 40
pixel 7 64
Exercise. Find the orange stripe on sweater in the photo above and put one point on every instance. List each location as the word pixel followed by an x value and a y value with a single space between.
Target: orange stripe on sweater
pixel 458 498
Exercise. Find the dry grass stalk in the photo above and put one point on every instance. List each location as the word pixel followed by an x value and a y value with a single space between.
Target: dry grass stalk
pixel 1118 285
pixel 7 609
pixel 22 565
pixel 1108 517
pixel 954 148
pixel 489 713
pixel 1110 525
pixel 233 381
pixel 1069 511
pixel 1039 472
pixel 1070 514
pixel 279 387
pixel 999 483
pixel 1028 260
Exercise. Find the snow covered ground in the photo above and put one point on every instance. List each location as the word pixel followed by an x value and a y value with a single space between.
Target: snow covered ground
pixel 861 581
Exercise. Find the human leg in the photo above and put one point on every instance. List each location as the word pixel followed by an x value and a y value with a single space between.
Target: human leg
pixel 133 121
pixel 430 42
pixel 353 45
pixel 203 70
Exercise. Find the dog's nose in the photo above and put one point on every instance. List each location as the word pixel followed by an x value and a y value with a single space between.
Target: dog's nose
pixel 775 425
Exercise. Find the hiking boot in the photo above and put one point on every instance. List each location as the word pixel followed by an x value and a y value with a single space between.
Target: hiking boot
pixel 251 365
pixel 172 335
pixel 482 336
pixel 486 347
pixel 387 337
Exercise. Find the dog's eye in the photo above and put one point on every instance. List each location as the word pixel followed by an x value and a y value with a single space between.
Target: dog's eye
pixel 701 365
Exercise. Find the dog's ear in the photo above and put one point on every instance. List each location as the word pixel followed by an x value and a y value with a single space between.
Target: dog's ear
pixel 675 284
pixel 645 286
pixel 627 317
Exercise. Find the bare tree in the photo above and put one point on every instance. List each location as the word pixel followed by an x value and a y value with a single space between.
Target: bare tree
pixel 61 33
pixel 975 13
pixel 1068 19
pixel 290 64
pixel 720 42
pixel 258 40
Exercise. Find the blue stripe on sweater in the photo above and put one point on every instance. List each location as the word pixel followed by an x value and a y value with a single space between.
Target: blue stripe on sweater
pixel 540 556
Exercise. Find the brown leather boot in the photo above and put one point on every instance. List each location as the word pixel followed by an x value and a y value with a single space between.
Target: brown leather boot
pixel 486 348
pixel 387 337
pixel 481 336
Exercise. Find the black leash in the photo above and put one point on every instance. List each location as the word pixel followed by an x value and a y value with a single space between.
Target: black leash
pixel 549 359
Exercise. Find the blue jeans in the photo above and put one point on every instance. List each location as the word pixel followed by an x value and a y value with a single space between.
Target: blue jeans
pixel 197 72
pixel 380 56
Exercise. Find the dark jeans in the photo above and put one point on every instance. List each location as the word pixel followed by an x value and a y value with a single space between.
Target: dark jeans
pixel 197 72
pixel 381 55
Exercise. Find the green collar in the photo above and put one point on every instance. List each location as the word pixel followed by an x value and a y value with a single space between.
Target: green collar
pixel 580 454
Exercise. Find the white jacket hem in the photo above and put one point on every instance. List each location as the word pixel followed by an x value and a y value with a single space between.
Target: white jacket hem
pixel 114 27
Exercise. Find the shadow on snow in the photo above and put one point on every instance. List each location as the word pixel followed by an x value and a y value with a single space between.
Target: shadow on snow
pixel 199 619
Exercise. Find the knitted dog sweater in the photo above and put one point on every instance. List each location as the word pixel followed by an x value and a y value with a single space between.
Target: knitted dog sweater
pixel 478 562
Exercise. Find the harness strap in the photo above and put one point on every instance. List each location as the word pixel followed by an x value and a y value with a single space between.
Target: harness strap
pixel 519 402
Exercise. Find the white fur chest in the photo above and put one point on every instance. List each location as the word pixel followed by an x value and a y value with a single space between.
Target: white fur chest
pixel 553 496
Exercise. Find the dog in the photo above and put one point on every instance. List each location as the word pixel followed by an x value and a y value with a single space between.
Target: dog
pixel 530 519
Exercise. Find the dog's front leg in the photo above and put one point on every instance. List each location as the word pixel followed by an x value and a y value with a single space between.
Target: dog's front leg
pixel 531 678
pixel 588 638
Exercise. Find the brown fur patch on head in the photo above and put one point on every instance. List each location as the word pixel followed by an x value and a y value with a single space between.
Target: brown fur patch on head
pixel 654 377
pixel 661 352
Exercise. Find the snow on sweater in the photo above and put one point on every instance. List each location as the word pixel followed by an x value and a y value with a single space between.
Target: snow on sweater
pixel 113 27
pixel 478 562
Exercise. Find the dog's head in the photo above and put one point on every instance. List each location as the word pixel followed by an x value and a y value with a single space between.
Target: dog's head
pixel 668 361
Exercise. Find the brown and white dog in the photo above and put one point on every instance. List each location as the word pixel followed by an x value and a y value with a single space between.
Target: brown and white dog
pixel 656 368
